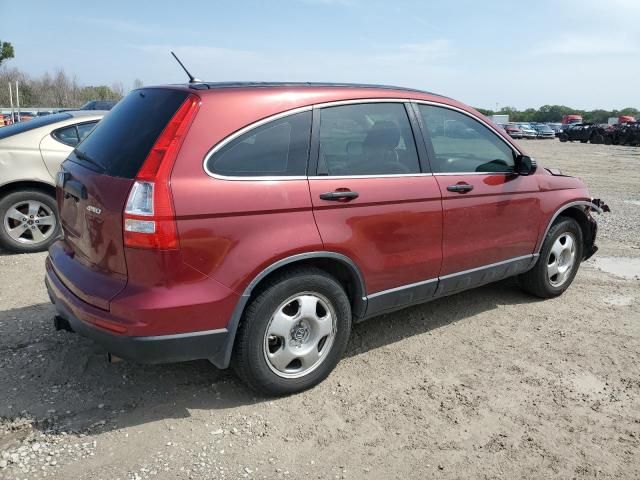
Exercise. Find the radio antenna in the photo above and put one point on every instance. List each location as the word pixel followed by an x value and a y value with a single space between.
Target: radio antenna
pixel 192 79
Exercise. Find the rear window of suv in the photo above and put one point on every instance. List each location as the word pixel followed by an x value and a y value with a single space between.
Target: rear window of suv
pixel 122 140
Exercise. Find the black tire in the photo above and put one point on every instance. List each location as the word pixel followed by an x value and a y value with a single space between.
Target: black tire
pixel 13 198
pixel 607 140
pixel 249 360
pixel 536 281
pixel 597 139
pixel 563 137
pixel 584 140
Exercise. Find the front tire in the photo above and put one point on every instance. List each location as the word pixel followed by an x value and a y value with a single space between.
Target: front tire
pixel 293 333
pixel 29 221
pixel 558 262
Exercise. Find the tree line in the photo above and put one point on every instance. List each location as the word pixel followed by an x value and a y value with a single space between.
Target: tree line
pixel 58 89
pixel 554 113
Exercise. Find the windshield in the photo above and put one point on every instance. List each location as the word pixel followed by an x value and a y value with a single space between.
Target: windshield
pixel 37 122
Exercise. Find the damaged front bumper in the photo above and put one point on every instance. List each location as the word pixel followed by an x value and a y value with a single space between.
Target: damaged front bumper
pixel 597 205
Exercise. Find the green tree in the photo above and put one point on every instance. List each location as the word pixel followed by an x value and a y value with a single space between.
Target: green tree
pixel 485 112
pixel 6 51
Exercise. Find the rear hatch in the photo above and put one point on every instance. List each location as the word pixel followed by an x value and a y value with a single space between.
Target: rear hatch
pixel 93 186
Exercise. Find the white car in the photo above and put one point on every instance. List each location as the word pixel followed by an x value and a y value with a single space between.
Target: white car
pixel 30 155
pixel 527 130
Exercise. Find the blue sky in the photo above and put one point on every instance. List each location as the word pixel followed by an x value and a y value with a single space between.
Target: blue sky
pixel 582 53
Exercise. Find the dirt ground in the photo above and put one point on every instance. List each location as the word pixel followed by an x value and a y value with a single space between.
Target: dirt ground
pixel 487 384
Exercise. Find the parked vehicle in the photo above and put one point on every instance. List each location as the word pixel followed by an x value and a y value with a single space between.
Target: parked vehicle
pixel 99 105
pixel 30 155
pixel 621 119
pixel 527 130
pixel 556 127
pixel 584 133
pixel 513 131
pixel 623 134
pixel 573 118
pixel 543 130
pixel 252 224
pixel 9 119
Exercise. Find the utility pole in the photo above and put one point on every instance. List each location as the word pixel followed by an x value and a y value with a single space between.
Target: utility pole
pixel 11 101
pixel 18 101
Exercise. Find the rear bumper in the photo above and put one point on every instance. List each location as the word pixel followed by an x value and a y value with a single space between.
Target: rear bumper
pixel 86 320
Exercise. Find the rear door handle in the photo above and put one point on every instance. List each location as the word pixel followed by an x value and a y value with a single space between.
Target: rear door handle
pixel 460 188
pixel 339 196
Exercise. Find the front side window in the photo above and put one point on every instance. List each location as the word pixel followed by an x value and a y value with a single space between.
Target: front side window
pixel 366 139
pixel 277 148
pixel 463 145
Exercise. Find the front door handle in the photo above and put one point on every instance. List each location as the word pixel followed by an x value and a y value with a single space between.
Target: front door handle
pixel 339 196
pixel 460 188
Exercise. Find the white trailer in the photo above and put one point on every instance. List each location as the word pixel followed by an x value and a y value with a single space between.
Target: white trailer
pixel 500 119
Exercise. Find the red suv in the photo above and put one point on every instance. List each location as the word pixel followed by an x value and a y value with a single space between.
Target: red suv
pixel 251 224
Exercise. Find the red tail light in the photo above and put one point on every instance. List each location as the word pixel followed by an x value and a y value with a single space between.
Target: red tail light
pixel 149 217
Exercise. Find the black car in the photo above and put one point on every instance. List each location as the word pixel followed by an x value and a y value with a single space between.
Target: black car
pixel 99 105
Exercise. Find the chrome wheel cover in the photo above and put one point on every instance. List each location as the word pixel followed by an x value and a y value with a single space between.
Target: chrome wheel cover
pixel 299 335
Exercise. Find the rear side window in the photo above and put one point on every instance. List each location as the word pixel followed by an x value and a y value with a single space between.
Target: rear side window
pixel 85 129
pixel 366 139
pixel 120 143
pixel 277 148
pixel 74 134
pixel 67 135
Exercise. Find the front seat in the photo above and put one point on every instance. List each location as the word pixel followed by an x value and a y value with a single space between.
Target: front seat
pixel 379 149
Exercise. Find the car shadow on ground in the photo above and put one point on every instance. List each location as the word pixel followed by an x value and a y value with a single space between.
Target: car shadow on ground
pixel 64 382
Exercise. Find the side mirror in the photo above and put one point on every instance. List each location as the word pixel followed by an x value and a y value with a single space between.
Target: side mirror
pixel 525 165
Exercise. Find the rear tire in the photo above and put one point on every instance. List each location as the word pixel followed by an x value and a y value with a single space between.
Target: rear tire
pixel 29 221
pixel 563 137
pixel 558 262
pixel 284 343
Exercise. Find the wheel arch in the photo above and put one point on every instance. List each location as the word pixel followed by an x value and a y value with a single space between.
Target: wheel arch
pixel 336 264
pixel 18 185
pixel 578 211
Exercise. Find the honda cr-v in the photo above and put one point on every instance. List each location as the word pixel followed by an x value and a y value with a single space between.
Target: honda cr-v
pixel 252 224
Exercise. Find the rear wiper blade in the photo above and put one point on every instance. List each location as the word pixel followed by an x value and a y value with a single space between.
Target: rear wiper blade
pixel 83 156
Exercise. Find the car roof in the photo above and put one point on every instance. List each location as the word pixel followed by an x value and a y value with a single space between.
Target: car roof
pixel 216 85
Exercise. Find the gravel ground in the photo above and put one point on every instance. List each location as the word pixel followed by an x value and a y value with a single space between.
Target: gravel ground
pixel 488 384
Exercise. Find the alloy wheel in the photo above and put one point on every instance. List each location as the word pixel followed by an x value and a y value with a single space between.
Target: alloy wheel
pixel 30 222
